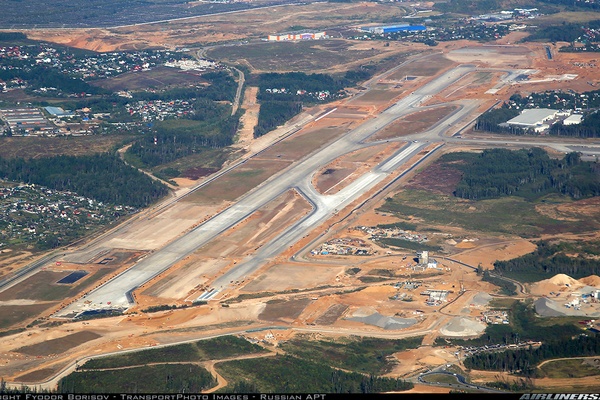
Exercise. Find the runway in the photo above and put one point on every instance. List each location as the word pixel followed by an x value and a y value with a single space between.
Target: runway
pixel 113 295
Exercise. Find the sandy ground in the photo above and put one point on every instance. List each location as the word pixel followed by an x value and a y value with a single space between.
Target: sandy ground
pixel 250 118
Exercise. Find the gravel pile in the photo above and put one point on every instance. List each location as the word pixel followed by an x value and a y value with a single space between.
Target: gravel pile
pixel 382 321
pixel 461 326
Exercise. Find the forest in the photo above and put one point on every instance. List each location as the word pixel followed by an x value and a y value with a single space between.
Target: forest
pixel 524 361
pixel 550 259
pixel 297 86
pixel 278 106
pixel 565 32
pixel 588 128
pixel 275 113
pixel 163 378
pixel 527 173
pixel 103 177
pixel 490 121
pixel 40 76
pixel 211 125
pixel 288 374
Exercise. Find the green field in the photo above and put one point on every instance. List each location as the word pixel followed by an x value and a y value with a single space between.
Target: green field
pixel 223 347
pixel 572 368
pixel 507 215
pixel 301 56
pixel 157 78
pixel 287 374
pixel 35 147
pixel 365 355
pixel 166 378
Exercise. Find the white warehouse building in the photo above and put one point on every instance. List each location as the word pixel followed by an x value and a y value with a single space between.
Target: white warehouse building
pixel 533 117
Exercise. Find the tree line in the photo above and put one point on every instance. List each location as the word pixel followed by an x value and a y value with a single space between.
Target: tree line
pixel 209 126
pixel 490 121
pixel 289 374
pixel 173 139
pixel 42 76
pixel 275 113
pixel 528 173
pixel 524 361
pixel 548 260
pixel 588 128
pixel 103 177
pixel 278 107
pixel 525 325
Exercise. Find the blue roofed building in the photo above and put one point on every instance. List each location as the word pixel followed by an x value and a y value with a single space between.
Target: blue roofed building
pixel 397 28
pixel 58 112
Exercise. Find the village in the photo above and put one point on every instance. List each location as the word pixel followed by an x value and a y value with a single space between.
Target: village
pixel 32 215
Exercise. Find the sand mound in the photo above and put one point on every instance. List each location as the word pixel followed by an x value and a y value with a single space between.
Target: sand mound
pixel 592 280
pixel 461 326
pixel 562 279
pixel 466 245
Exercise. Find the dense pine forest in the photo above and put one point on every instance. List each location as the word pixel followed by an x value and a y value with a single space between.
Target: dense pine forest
pixel 275 113
pixel 282 96
pixel 103 177
pixel 490 121
pixel 524 361
pixel 550 259
pixel 588 128
pixel 527 173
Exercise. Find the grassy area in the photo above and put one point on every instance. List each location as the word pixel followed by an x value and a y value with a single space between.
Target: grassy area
pixel 156 78
pixel 11 316
pixel 302 56
pixel 168 378
pixel 42 286
pixel 489 216
pixel 237 182
pixel 567 16
pixel 500 303
pixel 34 147
pixel 365 355
pixel 211 159
pixel 572 368
pixel 203 350
pixel 441 378
pixel 287 374
pixel 407 244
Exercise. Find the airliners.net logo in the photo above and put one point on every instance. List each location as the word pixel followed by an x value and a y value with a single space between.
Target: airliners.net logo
pixel 560 396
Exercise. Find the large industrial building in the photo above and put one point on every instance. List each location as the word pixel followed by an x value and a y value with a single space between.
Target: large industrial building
pixel 395 28
pixel 25 120
pixel 296 36
pixel 533 118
